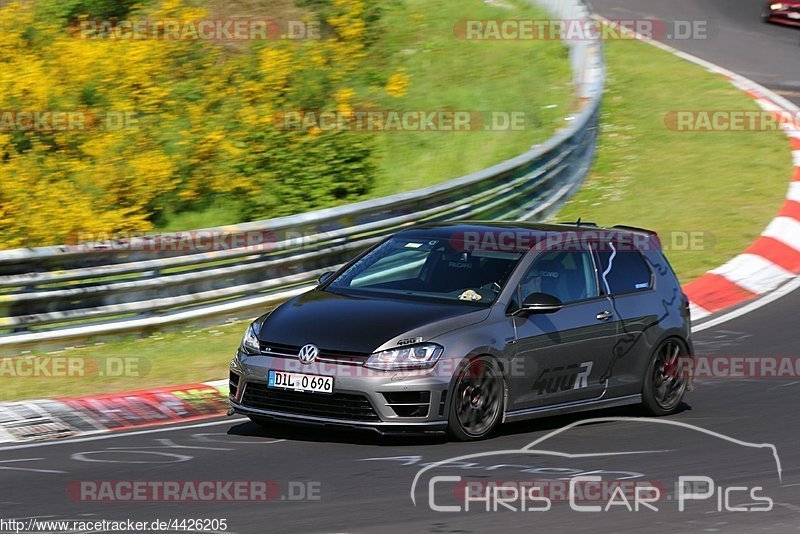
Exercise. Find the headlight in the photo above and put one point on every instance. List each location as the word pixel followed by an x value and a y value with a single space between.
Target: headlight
pixel 250 343
pixel 410 357
pixel 778 7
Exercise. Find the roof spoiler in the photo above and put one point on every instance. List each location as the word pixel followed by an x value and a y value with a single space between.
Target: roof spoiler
pixel 634 229
pixel 654 241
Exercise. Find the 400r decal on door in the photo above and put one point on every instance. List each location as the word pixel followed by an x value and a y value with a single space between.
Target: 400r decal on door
pixel 575 376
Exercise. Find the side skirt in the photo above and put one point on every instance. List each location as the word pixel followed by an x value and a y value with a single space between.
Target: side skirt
pixel 570 407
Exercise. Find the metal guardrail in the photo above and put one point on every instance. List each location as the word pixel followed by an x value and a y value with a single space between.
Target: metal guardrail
pixel 51 294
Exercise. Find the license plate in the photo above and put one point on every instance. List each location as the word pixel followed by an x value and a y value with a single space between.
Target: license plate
pixel 300 382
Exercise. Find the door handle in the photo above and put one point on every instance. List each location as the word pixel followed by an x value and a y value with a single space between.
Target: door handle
pixel 604 316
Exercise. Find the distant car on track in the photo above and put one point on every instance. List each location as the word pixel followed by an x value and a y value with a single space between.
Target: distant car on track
pixel 787 12
pixel 458 327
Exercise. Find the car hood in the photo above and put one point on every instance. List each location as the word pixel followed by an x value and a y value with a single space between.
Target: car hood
pixel 361 324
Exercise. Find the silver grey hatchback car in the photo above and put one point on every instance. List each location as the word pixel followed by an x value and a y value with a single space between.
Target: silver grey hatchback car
pixel 461 326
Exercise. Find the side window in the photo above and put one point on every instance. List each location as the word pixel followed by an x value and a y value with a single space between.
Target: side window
pixel 625 271
pixel 569 276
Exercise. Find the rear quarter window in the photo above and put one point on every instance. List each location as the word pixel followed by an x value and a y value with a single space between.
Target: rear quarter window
pixel 625 271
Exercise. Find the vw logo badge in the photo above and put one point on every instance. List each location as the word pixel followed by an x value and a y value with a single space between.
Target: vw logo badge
pixel 308 353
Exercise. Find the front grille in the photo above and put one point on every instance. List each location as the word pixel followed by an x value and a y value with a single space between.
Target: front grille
pixel 346 406
pixel 280 350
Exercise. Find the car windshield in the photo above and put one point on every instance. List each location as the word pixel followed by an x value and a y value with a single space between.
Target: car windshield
pixel 428 268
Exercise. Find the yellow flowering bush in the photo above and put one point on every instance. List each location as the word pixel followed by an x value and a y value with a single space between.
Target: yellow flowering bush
pixel 398 84
pixel 172 125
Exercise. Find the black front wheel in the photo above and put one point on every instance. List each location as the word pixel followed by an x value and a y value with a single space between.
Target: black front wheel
pixel 476 406
pixel 667 379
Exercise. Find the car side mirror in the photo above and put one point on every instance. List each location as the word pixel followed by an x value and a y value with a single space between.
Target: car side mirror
pixel 537 303
pixel 325 277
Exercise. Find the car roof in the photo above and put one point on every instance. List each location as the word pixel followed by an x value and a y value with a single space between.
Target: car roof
pixel 448 229
pixel 535 231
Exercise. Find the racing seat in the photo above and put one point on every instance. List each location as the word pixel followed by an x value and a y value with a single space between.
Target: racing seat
pixel 574 284
pixel 453 272
pixel 552 279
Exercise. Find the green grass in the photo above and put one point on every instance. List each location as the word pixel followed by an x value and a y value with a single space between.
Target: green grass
pixel 727 186
pixel 196 355
pixel 446 73
pixel 218 214
pixel 485 76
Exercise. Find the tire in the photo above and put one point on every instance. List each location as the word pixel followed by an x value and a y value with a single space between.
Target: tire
pixel 666 381
pixel 476 405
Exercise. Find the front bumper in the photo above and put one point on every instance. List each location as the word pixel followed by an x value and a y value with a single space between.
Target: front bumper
pixel 375 393
pixel 383 428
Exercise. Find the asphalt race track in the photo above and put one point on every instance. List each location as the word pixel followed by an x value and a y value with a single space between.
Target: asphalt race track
pixel 323 481
pixel 738 40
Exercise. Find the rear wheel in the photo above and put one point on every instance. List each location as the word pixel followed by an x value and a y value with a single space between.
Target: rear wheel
pixel 666 380
pixel 477 401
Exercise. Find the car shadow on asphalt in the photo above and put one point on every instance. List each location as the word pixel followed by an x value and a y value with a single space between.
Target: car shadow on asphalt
pixel 324 434
pixel 548 424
